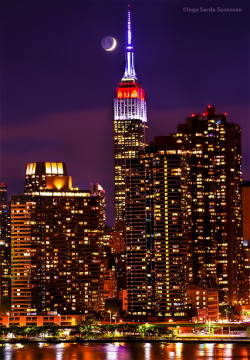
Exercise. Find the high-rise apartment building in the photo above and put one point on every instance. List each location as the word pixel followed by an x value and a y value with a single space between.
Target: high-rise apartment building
pixel 5 258
pixel 158 232
pixel 3 196
pixel 56 244
pixel 213 157
pixel 246 238
pixel 130 119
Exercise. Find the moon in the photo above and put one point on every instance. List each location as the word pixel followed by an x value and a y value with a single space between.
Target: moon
pixel 109 43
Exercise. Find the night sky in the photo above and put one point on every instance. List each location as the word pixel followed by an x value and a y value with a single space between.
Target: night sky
pixel 58 84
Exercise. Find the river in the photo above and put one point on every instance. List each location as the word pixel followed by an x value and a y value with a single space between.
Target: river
pixel 125 351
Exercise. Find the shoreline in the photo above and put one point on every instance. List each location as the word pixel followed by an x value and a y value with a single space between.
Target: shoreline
pixel 145 340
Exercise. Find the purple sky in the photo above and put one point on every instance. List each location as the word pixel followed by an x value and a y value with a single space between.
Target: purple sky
pixel 58 84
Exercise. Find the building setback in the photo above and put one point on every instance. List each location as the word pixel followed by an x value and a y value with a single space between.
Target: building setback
pixel 56 238
pixel 213 148
pixel 130 119
pixel 158 232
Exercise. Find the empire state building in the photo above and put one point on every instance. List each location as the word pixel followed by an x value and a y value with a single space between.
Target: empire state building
pixel 130 123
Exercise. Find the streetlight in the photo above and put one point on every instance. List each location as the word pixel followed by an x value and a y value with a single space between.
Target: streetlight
pixel 109 316
pixel 114 317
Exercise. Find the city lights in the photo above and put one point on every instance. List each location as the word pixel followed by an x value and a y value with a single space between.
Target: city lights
pixel 176 263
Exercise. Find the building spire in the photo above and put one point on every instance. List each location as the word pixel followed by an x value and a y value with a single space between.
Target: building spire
pixel 129 44
pixel 130 67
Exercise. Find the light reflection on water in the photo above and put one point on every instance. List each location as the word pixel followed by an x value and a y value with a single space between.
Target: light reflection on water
pixel 112 351
pixel 228 350
pixel 209 349
pixel 59 351
pixel 7 352
pixel 178 352
pixel 147 351
pixel 126 351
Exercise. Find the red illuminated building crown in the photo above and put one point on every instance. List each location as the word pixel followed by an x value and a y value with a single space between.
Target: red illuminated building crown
pixel 131 89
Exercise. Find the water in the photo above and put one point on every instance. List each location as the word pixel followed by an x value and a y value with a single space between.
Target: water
pixel 125 351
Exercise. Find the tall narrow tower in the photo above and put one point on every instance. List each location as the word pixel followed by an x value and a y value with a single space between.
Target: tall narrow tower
pixel 130 119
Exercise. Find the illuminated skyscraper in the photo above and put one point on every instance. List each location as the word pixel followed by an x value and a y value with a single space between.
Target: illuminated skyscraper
pixel 5 255
pixel 158 232
pixel 56 235
pixel 213 160
pixel 130 119
pixel 246 236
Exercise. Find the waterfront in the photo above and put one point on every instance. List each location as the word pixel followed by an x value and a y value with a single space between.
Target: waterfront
pixel 124 351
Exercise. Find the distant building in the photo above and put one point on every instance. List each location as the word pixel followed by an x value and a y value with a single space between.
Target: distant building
pixel 118 250
pixel 3 196
pixel 114 251
pixel 117 241
pixel 56 244
pixel 41 320
pixel 110 284
pixel 206 302
pixel 123 296
pixel 213 157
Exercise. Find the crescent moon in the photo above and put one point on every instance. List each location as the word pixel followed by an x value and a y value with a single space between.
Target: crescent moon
pixel 113 45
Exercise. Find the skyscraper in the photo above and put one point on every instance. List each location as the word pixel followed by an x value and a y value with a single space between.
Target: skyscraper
pixel 3 196
pixel 5 256
pixel 130 119
pixel 158 232
pixel 246 237
pixel 213 148
pixel 56 234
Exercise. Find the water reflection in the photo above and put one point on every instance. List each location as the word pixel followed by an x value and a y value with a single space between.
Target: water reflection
pixel 7 352
pixel 59 351
pixel 147 347
pixel 209 350
pixel 112 351
pixel 178 352
pixel 228 350
pixel 125 351
pixel 201 350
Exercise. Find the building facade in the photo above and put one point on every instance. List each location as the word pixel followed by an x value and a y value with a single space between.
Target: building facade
pixel 56 245
pixel 5 256
pixel 206 303
pixel 158 232
pixel 246 239
pixel 213 148
pixel 3 196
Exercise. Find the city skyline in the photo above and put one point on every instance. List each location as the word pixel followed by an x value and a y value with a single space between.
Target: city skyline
pixel 159 236
pixel 58 82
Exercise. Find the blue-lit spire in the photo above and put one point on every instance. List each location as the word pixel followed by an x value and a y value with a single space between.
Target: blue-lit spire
pixel 130 66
